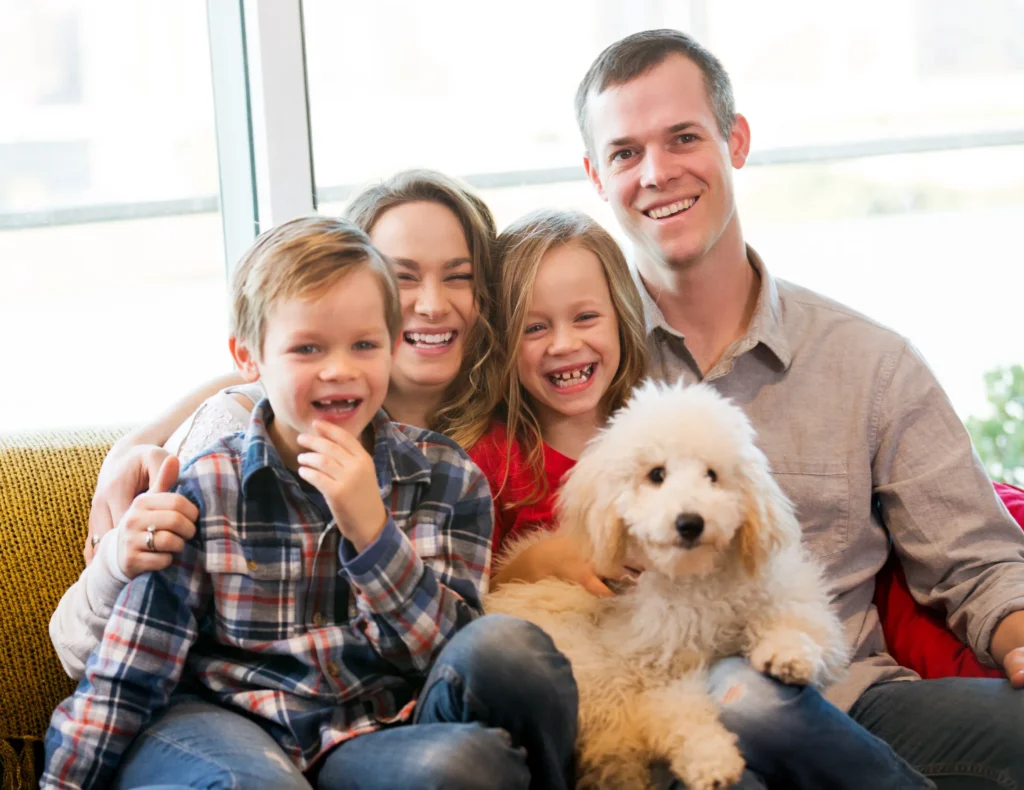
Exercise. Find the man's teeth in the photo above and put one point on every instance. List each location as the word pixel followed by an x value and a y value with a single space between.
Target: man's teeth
pixel 429 340
pixel 337 405
pixel 570 377
pixel 674 208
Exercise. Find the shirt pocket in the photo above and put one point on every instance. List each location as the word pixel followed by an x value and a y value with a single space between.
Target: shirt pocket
pixel 255 587
pixel 820 491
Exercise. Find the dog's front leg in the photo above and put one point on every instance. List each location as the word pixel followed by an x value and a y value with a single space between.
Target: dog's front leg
pixel 683 728
pixel 795 636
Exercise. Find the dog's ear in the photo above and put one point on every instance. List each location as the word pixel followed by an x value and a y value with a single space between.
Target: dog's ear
pixel 769 522
pixel 587 515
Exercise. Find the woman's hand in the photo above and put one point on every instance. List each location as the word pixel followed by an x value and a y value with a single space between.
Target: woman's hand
pixel 122 478
pixel 555 556
pixel 171 516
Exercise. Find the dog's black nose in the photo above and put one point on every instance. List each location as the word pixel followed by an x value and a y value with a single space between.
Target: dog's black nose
pixel 689 526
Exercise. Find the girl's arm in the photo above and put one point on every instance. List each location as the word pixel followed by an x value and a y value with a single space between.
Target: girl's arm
pixel 135 459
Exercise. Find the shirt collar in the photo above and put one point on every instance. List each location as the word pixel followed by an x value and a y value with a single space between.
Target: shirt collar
pixel 766 326
pixel 396 458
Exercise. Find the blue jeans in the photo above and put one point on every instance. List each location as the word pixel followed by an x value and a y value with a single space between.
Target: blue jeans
pixel 498 710
pixel 792 737
pixel 964 733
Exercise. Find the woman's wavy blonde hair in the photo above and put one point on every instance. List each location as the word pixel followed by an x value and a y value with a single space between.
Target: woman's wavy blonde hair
pixel 520 249
pixel 465 410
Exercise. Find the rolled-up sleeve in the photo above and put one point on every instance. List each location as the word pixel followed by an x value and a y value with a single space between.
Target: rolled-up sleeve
pixel 959 546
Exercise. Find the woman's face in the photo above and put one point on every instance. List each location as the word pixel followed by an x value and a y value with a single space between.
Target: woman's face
pixel 435 277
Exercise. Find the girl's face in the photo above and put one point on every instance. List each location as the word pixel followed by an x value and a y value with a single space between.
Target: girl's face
pixel 570 346
pixel 435 278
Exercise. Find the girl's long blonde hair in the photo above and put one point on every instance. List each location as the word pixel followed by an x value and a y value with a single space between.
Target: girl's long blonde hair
pixel 519 250
pixel 469 399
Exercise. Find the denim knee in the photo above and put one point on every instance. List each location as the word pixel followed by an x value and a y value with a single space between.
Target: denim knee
pixel 473 758
pixel 748 698
pixel 505 661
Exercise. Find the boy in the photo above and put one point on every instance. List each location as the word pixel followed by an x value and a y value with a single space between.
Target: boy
pixel 303 612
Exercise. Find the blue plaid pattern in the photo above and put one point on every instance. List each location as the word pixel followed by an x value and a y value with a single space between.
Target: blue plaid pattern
pixel 272 613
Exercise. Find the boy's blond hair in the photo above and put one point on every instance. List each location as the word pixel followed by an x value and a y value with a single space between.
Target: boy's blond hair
pixel 299 259
pixel 520 249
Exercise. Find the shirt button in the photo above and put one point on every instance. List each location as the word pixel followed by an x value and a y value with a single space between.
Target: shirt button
pixel 332 669
pixel 319 620
pixel 252 565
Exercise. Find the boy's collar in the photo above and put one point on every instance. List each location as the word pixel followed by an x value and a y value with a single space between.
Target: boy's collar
pixel 396 458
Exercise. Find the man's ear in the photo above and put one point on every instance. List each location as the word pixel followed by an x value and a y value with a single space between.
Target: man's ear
pixel 244 359
pixel 739 142
pixel 594 176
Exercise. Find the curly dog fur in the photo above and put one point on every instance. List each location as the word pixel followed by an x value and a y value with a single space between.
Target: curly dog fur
pixel 676 485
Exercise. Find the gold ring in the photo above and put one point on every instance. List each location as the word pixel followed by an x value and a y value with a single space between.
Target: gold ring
pixel 149 538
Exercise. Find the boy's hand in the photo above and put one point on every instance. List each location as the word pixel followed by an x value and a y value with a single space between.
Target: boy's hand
pixel 172 516
pixel 340 469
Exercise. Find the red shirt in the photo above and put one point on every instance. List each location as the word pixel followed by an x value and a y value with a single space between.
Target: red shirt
pixel 492 456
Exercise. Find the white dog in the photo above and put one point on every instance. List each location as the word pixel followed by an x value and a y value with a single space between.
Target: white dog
pixel 675 485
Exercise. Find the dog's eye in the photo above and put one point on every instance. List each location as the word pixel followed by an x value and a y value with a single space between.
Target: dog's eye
pixel 712 475
pixel 657 475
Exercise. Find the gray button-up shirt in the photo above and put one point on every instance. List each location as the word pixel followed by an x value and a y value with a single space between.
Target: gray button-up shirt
pixel 864 441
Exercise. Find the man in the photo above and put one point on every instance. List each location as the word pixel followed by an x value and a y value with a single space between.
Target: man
pixel 859 433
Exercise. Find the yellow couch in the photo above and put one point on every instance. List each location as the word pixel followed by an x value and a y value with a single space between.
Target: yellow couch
pixel 46 484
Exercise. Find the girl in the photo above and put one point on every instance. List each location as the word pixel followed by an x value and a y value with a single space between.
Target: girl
pixel 575 348
pixel 440 236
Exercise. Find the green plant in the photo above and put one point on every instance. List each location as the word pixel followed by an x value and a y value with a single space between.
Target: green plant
pixel 999 438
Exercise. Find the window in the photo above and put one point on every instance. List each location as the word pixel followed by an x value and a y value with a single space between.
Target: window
pixel 887 168
pixel 111 249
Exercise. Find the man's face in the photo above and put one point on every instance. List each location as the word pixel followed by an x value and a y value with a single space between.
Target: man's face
pixel 658 157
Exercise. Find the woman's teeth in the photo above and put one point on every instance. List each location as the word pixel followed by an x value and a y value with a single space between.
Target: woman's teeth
pixel 421 339
pixel 674 208
pixel 337 406
pixel 570 377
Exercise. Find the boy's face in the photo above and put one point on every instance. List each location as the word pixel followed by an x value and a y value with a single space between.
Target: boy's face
pixel 326 357
pixel 662 164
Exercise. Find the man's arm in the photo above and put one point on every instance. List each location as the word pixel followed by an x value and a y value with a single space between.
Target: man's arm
pixel 419 602
pixel 959 547
pixel 136 667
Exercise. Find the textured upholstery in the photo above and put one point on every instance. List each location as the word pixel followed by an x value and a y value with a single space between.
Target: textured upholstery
pixel 46 484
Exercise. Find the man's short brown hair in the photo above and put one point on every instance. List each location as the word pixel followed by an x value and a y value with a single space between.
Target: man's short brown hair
pixel 635 55
pixel 302 258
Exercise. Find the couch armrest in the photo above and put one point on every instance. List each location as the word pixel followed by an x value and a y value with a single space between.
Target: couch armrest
pixel 46 485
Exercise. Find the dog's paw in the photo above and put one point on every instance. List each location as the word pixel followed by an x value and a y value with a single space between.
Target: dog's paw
pixel 714 764
pixel 789 655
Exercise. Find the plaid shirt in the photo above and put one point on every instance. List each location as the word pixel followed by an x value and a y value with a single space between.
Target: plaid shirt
pixel 274 614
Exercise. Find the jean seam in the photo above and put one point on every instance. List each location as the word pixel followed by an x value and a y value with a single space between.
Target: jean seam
pixel 199 756
pixel 969 769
